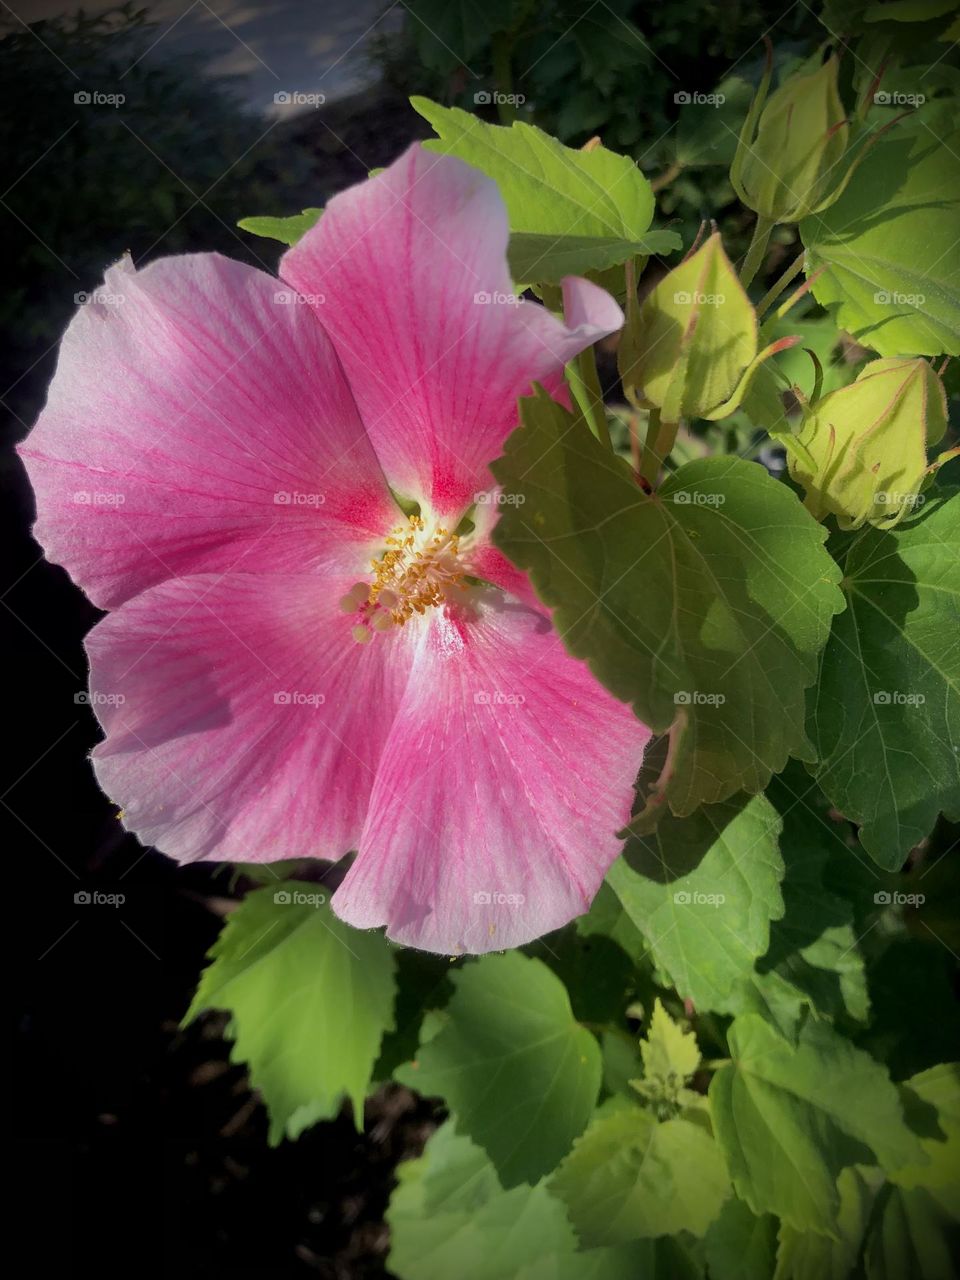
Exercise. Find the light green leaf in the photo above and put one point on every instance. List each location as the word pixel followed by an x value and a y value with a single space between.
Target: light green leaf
pixel 286 230
pixel 668 1258
pixel 309 999
pixel 631 1176
pixel 667 1050
pixel 703 604
pixel 573 211
pixel 886 712
pixel 521 1075
pixel 741 1246
pixel 889 248
pixel 803 1255
pixel 707 927
pixel 789 1118
pixel 450 1217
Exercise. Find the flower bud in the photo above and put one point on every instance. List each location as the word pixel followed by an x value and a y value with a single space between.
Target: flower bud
pixel 792 166
pixel 691 348
pixel 861 451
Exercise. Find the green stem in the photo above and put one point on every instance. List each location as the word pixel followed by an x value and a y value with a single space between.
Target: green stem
pixel 502 48
pixel 772 294
pixel 585 385
pixel 714 1064
pixel 657 446
pixel 757 251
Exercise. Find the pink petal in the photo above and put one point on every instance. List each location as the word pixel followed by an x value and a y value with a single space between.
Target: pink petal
pixel 397 266
pixel 242 721
pixel 178 419
pixel 492 819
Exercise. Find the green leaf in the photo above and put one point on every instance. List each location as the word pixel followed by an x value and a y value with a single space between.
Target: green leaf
pixel 286 230
pixel 707 927
pixel 741 1246
pixel 668 1258
pixel 707 131
pixel 885 712
pixel 450 33
pixel 803 1255
pixel 888 245
pixel 521 1075
pixel 667 1050
pixel 703 604
pixel 789 1118
pixel 939 1089
pixel 915 1022
pixel 309 999
pixel 631 1176
pixel 570 211
pixel 814 945
pixel 450 1217
pixel 913 1239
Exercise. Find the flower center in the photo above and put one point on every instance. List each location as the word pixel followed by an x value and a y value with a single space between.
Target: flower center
pixel 419 570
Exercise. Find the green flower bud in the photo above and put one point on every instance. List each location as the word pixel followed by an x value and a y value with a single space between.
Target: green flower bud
pixel 861 452
pixel 792 165
pixel 691 348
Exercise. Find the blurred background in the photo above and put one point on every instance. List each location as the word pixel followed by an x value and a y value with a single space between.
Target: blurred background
pixel 153 130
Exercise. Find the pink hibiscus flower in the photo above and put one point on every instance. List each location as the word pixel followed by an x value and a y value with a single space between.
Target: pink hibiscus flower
pixel 292 666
